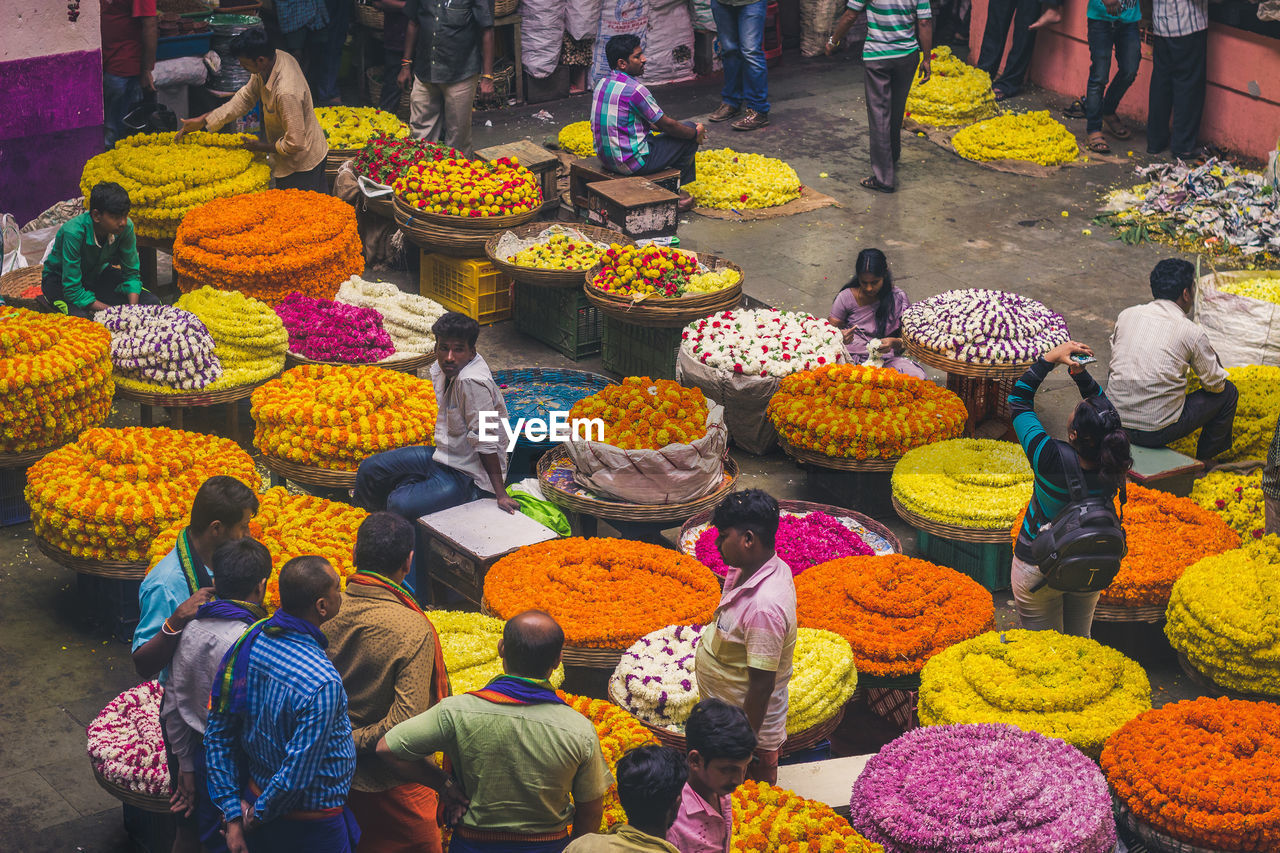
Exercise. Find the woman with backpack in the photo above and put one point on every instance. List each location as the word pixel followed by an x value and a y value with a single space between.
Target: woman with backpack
pixel 1057 580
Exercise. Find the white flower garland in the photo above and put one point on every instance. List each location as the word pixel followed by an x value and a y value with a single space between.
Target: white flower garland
pixel 763 342
pixel 161 344
pixel 125 741
pixel 407 317
pixel 984 326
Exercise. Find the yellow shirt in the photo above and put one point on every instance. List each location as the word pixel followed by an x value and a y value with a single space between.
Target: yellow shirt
pixel 623 838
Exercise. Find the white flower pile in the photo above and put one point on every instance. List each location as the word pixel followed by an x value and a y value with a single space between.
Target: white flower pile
pixel 984 326
pixel 161 344
pixel 654 681
pixel 125 741
pixel 763 342
pixel 407 317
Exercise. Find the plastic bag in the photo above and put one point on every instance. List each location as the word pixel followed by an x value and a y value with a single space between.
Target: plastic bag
pixel 528 494
pixel 11 236
pixel 582 18
pixel 1241 329
pixel 542 35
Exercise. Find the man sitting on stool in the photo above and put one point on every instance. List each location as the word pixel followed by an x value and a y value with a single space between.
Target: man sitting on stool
pixel 623 113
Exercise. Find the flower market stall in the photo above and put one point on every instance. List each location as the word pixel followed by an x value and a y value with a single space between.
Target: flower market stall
pixel 385 158
pixel 349 129
pixel 126 748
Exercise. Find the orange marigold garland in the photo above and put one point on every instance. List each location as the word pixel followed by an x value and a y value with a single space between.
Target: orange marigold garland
pixel 896 611
pixel 269 244
pixel 331 416
pixel 619 733
pixel 1205 771
pixel 849 411
pixel 55 378
pixel 605 593
pixel 109 494
pixel 646 414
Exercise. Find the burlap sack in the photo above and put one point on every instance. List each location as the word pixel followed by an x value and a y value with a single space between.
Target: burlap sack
pixel 745 399
pixel 1242 330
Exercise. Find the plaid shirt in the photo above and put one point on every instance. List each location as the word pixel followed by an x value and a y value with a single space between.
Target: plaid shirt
pixel 1173 18
pixel 293 15
pixel 622 113
pixel 1271 473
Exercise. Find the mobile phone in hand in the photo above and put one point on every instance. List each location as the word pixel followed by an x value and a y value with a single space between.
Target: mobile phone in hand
pixel 1082 359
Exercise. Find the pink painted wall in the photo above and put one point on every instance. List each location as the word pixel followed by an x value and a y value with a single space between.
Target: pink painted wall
pixel 1233 118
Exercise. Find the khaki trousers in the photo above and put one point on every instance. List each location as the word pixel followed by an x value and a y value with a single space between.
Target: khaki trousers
pixel 443 111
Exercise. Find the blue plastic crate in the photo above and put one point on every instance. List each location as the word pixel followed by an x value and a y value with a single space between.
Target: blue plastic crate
pixel 988 563
pixel 191 44
pixel 13 503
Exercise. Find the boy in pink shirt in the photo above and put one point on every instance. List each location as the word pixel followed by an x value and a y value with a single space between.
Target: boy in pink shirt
pixel 721 744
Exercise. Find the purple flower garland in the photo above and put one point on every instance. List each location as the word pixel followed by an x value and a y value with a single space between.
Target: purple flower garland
pixel 325 330
pixel 802 541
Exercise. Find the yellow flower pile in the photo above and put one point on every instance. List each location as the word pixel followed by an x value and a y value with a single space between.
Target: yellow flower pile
pixel 1033 137
pixel 109 494
pixel 710 282
pixel 1267 547
pixel 249 339
pixel 823 678
pixel 967 482
pixel 1236 498
pixel 728 179
pixel 55 378
pixel 1264 289
pixel 470 645
pixel 165 179
pixel 769 818
pixel 559 252
pixel 332 416
pixel 577 139
pixel 955 94
pixel 1256 413
pixel 1071 688
pixel 354 127
pixel 1223 616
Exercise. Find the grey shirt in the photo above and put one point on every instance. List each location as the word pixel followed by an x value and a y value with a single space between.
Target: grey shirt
pixel 449 31
pixel 185 707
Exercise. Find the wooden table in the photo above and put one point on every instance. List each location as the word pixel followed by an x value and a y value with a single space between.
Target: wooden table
pixel 177 404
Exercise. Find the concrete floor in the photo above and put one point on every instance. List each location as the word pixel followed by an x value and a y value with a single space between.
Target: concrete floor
pixel 951 224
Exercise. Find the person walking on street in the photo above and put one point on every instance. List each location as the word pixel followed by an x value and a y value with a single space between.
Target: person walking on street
pixel 1113 26
pixel 740 30
pixel 1179 72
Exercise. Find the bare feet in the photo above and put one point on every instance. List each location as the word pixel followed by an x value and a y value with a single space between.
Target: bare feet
pixel 685 203
pixel 1051 16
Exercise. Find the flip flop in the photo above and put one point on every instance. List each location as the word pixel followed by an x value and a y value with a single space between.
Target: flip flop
pixel 1098 145
pixel 873 184
pixel 1074 110
pixel 1002 95
pixel 1115 127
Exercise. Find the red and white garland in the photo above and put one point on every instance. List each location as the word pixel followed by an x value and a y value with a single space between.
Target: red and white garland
pixel 126 744
pixel 763 342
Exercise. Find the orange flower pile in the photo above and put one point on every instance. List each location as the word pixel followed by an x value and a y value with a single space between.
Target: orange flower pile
pixel 109 494
pixel 269 244
pixel 290 526
pixel 605 593
pixel 1205 771
pixel 55 378
pixel 646 414
pixel 334 416
pixel 848 411
pixel 619 733
pixel 766 817
pixel 896 611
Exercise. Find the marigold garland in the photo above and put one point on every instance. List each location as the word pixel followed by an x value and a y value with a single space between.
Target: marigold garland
pixel 1033 137
pixel 109 494
pixel 646 414
pixel 766 817
pixel 955 94
pixel 356 127
pixel 55 378
pixel 619 733
pixel 249 340
pixel 577 139
pixel 1206 771
pixel 605 593
pixel 334 416
pixel 848 411
pixel 976 483
pixel 1255 422
pixel 269 245
pixel 728 179
pixel 896 611
pixel 1235 498
pixel 470 645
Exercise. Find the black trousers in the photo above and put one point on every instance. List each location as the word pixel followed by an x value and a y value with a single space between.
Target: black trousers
pixel 667 152
pixel 887 83
pixel 1214 412
pixel 312 179
pixel 105 288
pixel 1021 14
pixel 1179 71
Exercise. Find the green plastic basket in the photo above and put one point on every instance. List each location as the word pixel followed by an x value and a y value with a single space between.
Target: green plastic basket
pixel 986 562
pixel 631 350
pixel 562 318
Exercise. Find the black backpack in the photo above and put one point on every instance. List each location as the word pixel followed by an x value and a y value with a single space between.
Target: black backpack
pixel 1081 549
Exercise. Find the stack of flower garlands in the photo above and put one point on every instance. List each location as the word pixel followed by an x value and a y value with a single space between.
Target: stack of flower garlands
pixel 605 593
pixel 762 342
pixel 1235 498
pixel 290 526
pixel 646 414
pixel 1255 421
pixel 1033 137
pixel 470 645
pixel 126 744
pixel 167 179
pixel 109 494
pixel 356 127
pixel 469 188
pixel 728 179
pixel 406 317
pixel 330 416
pixel 847 411
pixel 55 378
pixel 269 245
pixel 385 158
pixel 658 271
pixel 896 612
pixel 986 788
pixel 1071 688
pixel 324 330
pixel 984 326
pixel 160 348
pixel 965 482
pixel 249 341
pixel 1203 771
pixel 577 139
pixel 803 540
pixel 955 94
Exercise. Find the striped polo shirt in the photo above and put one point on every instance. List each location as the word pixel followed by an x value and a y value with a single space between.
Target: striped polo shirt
pixel 891 26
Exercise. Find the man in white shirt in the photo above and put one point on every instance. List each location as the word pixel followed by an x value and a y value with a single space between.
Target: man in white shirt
pixel 1179 73
pixel 1151 349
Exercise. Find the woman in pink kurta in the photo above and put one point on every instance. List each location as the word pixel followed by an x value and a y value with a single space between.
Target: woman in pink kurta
pixel 870 307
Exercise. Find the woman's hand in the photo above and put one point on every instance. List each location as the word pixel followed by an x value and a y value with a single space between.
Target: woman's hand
pixel 887 344
pixel 1061 354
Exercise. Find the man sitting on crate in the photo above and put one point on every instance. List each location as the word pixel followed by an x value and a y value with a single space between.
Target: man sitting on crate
pixel 417 481
pixel 623 114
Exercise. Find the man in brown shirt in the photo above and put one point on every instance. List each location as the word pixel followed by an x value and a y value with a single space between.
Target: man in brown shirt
pixel 388 655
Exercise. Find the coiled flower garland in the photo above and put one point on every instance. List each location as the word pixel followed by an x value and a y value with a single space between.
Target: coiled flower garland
pixel 355 127
pixel 646 414
pixel 324 330
pixel 470 645
pixel 126 744
pixel 1255 421
pixel 406 317
pixel 249 340
pixel 967 482
pixel 160 348
pixel 984 326
pixel 1033 137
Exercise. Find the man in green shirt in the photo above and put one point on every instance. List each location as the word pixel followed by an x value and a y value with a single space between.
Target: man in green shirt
pixel 528 764
pixel 650 783
pixel 93 263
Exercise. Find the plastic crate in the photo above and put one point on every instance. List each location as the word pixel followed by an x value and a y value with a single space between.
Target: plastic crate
pixel 13 503
pixel 562 318
pixel 189 44
pixel 631 350
pixel 473 286
pixel 986 562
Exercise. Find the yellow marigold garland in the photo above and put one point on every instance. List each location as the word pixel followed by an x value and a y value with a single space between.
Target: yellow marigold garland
pixel 354 127
pixel 766 817
pixel 619 733
pixel 1256 410
pixel 644 413
pixel 1033 137
pixel 968 482
pixel 577 139
pixel 730 179
pixel 470 645
pixel 1235 498
pixel 955 94
pixel 249 339
pixel 823 678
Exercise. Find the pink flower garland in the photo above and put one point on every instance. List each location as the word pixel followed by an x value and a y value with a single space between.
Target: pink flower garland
pixel 125 742
pixel 802 541
pixel 325 330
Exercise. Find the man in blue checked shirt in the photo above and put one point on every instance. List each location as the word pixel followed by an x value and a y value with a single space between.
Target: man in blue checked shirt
pixel 278 744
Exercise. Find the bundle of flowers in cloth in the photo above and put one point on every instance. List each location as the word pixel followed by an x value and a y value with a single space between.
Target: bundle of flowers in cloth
pixel 469 188
pixel 160 348
pixel 955 94
pixel 110 493
pixel 984 326
pixel 803 540
pixel 328 416
pixel 55 378
pixel 249 341
pixel 986 788
pixel 965 482
pixel 406 317
pixel 577 139
pixel 470 645
pixel 557 248
pixel 1235 498
pixel 324 330
pixel 728 179
pixel 847 411
pixel 663 443
pixel 346 128
pixel 1031 137
pixel 290 526
pixel 1262 289
pixel 269 245
pixel 1066 687
pixel 658 271
pixel 167 179
pixel 126 744
pixel 1200 772
pixel 1255 422
pixel 738 357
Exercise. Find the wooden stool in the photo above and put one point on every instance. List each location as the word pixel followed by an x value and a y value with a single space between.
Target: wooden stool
pixel 589 170
pixel 637 207
pixel 1164 469
pixel 533 157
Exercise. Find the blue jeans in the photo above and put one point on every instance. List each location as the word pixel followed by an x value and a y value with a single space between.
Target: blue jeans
pixel 1102 99
pixel 119 94
pixel 740 30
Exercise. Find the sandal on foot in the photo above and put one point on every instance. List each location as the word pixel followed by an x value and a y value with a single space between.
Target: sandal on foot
pixel 1098 145
pixel 873 184
pixel 1074 110
pixel 1002 95
pixel 1116 127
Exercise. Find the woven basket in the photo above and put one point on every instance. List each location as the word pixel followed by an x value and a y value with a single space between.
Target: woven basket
pixel 606 659
pixel 942 361
pixel 146 802
pixel 1155 840
pixel 835 463
pixel 13 283
pixel 310 475
pixel 455 242
pixel 526 376
pixel 373 85
pixel 335 158
pixel 25 458
pixel 488 224
pixel 1213 688
pixel 1115 613
pixel 664 313
pixel 888 682
pixel 370 17
pixel 408 364
pixel 191 399
pixel 502 8
pixel 114 569
pixel 802 507
pixel 952 531
pixel 548 278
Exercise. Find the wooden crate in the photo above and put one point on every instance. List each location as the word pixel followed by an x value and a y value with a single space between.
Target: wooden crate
pixel 589 170
pixel 533 157
pixel 636 207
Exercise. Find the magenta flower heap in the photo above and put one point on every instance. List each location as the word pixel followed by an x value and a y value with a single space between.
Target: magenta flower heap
pixel 803 541
pixel 324 330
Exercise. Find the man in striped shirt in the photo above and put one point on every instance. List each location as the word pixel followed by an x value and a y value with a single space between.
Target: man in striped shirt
pixel 1179 71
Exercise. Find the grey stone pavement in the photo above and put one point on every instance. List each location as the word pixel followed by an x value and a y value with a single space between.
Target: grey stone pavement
pixel 952 224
